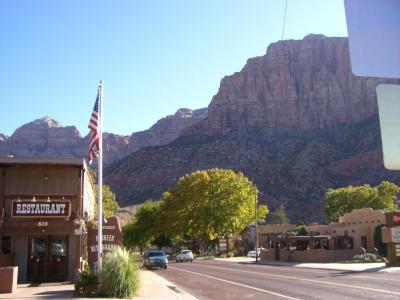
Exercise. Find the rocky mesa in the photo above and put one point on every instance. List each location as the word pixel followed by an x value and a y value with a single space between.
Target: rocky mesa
pixel 296 121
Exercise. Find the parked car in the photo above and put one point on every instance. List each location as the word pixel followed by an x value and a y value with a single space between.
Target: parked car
pixel 252 253
pixel 155 258
pixel 184 255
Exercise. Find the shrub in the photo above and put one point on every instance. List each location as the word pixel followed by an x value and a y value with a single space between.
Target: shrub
pixel 367 257
pixel 119 274
pixel 87 283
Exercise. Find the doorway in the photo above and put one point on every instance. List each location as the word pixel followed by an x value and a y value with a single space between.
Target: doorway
pixel 277 254
pixel 47 258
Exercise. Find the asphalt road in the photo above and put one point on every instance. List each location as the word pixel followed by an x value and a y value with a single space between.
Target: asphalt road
pixel 220 280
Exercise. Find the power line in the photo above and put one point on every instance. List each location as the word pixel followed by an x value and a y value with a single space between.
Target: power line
pixel 284 20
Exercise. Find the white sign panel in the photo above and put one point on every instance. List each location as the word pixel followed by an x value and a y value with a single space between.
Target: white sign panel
pixel 395 234
pixel 389 118
pixel 373 27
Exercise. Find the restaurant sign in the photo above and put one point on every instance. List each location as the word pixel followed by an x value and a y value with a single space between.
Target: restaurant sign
pixel 112 239
pixel 41 209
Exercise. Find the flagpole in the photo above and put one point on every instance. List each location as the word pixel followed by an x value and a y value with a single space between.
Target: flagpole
pixel 100 181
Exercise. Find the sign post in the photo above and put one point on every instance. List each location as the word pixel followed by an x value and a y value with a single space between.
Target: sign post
pixel 391 236
pixel 256 207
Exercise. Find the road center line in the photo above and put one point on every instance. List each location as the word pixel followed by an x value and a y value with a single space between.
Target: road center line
pixel 312 280
pixel 239 284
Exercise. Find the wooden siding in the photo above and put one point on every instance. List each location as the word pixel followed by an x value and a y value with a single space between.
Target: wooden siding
pixel 2 178
pixel 42 180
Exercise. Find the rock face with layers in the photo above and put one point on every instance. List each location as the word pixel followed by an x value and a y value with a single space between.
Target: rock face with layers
pixel 305 84
pixel 296 121
pixel 46 137
pixel 167 129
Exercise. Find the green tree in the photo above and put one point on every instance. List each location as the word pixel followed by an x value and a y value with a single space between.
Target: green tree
pixel 109 200
pixel 144 227
pixel 209 204
pixel 161 240
pixel 344 200
pixel 279 216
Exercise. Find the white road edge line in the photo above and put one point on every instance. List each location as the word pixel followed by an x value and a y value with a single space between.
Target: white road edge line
pixel 315 281
pixel 239 284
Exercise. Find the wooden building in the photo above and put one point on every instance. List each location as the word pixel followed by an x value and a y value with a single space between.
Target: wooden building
pixel 45 204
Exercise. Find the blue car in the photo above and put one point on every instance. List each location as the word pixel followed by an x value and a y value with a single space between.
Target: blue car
pixel 155 258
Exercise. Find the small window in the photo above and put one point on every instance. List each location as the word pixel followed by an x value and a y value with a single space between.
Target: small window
pixel 38 247
pixel 58 248
pixel 5 244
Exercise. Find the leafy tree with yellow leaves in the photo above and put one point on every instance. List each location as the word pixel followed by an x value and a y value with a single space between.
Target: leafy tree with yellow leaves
pixel 209 204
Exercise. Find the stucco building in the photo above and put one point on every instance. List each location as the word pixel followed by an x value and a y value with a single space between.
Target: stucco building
pixel 353 234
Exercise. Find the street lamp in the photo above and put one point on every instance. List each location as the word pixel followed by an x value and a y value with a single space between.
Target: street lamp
pixel 256 209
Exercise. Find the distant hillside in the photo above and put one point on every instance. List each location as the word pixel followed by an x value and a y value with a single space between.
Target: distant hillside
pixel 126 214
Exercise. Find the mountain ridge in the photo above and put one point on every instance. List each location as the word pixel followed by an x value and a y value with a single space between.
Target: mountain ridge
pixel 46 137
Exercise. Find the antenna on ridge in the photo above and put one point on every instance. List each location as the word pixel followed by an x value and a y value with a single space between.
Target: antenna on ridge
pixel 284 20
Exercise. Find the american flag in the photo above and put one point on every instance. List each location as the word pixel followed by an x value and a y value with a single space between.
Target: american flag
pixel 94 129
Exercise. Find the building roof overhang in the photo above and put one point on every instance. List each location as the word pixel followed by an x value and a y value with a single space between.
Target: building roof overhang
pixel 43 161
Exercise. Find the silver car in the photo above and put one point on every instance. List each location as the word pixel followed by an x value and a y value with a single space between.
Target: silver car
pixel 184 255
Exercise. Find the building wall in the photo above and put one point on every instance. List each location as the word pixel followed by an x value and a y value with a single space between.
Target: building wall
pixel 44 181
pixel 73 250
pixel 20 249
pixel 362 216
pixel 356 224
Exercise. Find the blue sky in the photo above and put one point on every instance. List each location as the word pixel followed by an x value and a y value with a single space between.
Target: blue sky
pixel 154 56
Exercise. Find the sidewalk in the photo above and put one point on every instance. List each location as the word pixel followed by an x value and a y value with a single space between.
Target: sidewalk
pixel 153 287
pixel 356 267
pixel 156 287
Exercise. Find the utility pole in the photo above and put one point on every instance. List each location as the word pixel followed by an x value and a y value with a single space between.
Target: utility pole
pixel 256 209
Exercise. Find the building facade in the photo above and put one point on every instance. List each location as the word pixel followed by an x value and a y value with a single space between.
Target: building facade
pixel 45 204
pixel 353 234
